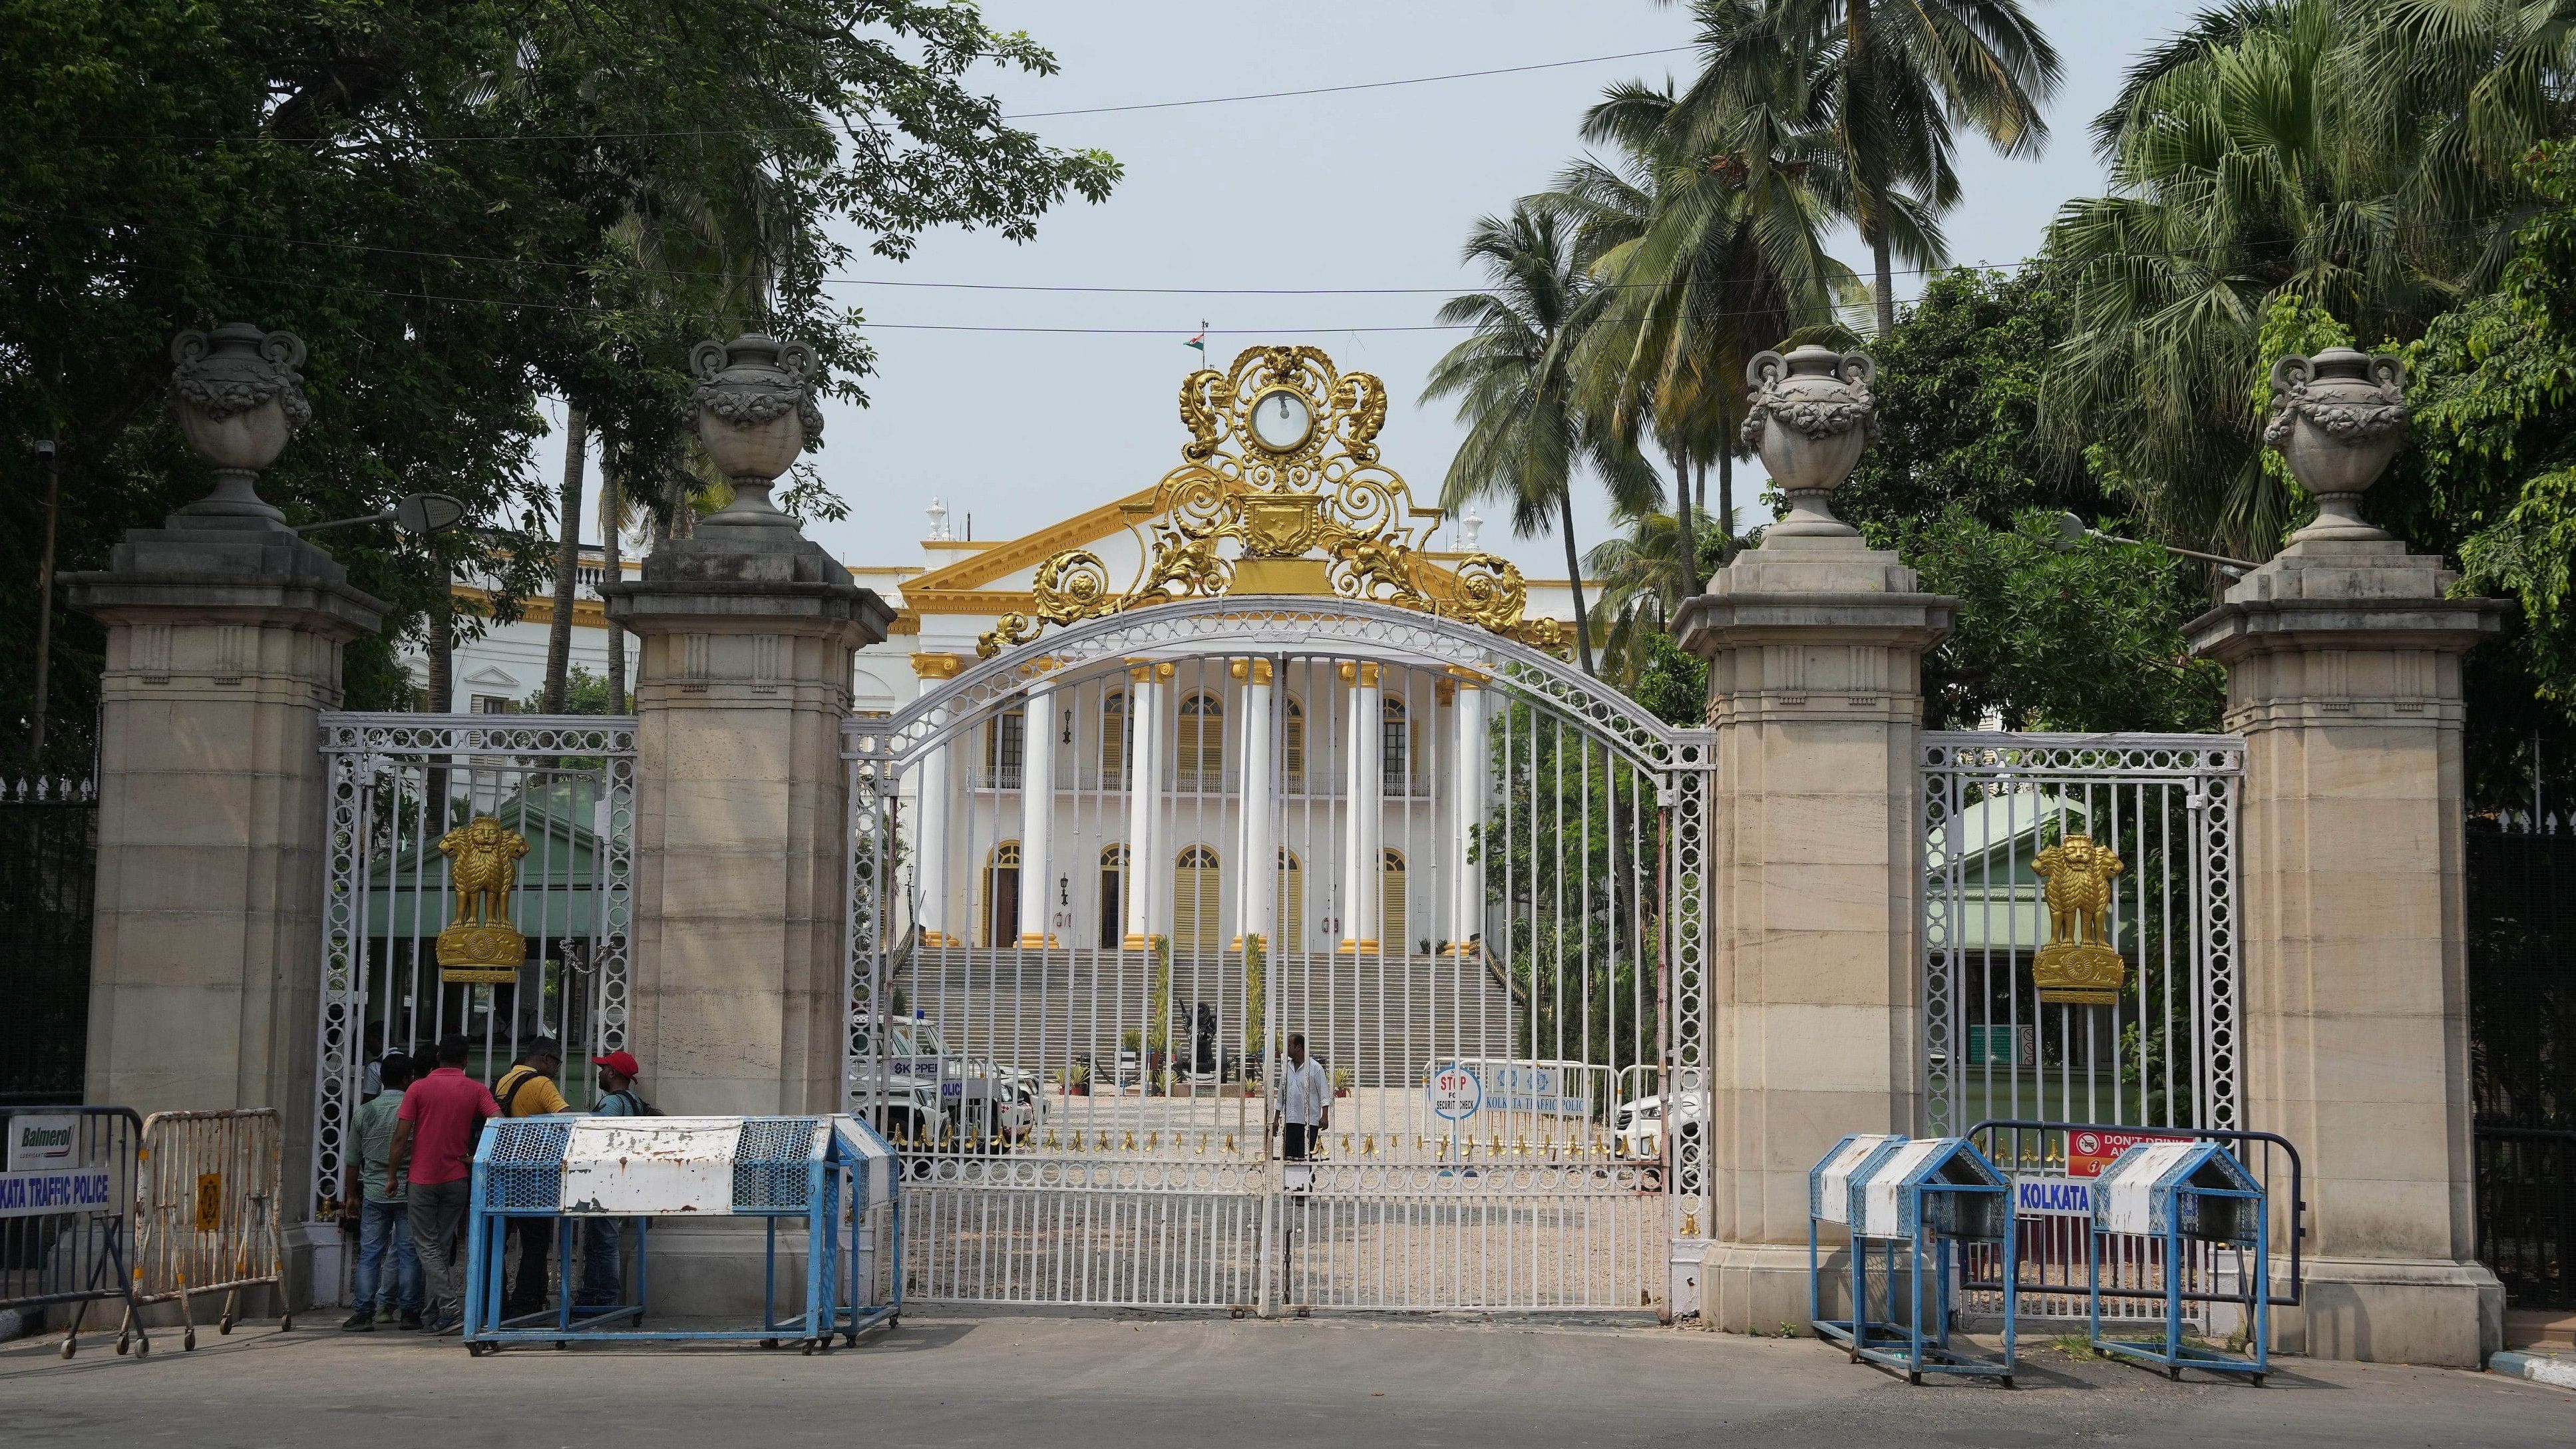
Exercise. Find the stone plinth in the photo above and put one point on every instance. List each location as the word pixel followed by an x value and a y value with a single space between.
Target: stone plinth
pixel 741 819
pixel 2343 661
pixel 1815 645
pixel 223 650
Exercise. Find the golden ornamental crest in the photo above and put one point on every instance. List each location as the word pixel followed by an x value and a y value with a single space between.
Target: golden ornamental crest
pixel 2078 966
pixel 480 946
pixel 1280 492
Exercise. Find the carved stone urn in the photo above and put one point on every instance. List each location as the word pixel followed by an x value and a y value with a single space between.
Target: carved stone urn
pixel 2337 419
pixel 1811 414
pixel 754 410
pixel 237 397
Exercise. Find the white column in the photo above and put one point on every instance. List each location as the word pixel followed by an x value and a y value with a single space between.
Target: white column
pixel 1037 814
pixel 1145 864
pixel 1467 768
pixel 1259 871
pixel 1364 827
pixel 930 816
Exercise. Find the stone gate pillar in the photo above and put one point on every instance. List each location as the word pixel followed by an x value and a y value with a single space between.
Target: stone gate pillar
pixel 224 632
pixel 1814 643
pixel 741 819
pixel 2343 658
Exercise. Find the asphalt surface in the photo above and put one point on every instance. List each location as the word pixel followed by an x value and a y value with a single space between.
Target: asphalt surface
pixel 1073 1382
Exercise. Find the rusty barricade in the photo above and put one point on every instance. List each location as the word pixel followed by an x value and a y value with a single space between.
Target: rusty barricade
pixel 66 1211
pixel 207 1214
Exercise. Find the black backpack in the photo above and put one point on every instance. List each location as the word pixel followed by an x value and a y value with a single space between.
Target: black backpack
pixel 636 1100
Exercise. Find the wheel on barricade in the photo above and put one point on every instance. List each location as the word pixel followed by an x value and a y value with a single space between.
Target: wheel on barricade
pixel 224 1325
pixel 68 1347
pixel 188 1340
pixel 122 1344
pixel 769 1343
pixel 478 1350
pixel 286 1323
pixel 806 1347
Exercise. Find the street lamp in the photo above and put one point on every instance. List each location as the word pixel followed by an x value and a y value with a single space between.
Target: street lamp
pixel 420 514
pixel 2072 530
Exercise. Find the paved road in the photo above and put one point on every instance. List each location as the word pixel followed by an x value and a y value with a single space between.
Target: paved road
pixel 1070 1383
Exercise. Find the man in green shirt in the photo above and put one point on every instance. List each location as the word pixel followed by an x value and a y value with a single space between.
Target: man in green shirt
pixel 381 1210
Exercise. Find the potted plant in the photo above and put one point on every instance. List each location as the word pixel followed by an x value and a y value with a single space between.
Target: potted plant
pixel 1341 1081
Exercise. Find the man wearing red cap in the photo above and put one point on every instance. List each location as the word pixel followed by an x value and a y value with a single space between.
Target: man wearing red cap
pixel 599 1236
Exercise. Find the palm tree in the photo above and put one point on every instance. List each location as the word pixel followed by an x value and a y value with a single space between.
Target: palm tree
pixel 1709 235
pixel 2355 158
pixel 1514 381
pixel 1887 79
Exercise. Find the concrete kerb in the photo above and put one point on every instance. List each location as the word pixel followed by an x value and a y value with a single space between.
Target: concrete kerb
pixel 2541 1368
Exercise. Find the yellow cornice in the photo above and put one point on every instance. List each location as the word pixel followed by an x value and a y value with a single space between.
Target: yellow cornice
pixel 1031 549
pixel 967 601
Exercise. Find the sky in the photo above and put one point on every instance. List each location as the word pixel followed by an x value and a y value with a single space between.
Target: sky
pixel 1327 196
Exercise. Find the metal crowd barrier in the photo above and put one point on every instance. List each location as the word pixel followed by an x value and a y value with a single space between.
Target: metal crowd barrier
pixel 208 1210
pixel 66 1212
pixel 2053 1202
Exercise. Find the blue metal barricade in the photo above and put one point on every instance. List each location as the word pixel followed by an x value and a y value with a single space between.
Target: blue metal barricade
pixel 1924 1200
pixel 835 1173
pixel 67 1212
pixel 2177 1193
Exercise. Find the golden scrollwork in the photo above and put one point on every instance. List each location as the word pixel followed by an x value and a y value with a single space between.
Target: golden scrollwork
pixel 1299 510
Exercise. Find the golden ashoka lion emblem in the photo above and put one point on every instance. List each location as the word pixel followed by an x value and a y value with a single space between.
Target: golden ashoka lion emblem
pixel 2078 966
pixel 479 945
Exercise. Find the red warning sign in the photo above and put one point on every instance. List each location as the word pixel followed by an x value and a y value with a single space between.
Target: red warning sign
pixel 2088 1151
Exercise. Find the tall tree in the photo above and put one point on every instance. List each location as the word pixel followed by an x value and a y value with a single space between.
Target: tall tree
pixel 1891 79
pixel 567 559
pixel 2355 155
pixel 1707 236
pixel 360 172
pixel 1514 381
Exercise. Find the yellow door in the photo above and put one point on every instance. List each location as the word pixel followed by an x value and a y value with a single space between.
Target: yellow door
pixel 1292 905
pixel 1197 901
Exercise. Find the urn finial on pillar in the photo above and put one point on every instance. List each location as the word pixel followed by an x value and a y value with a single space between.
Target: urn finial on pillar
pixel 237 396
pixel 1811 415
pixel 2337 419
pixel 754 410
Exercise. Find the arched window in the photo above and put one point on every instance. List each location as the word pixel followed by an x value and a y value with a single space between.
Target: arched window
pixel 1198 901
pixel 1391 914
pixel 1002 895
pixel 1396 764
pixel 1115 735
pixel 1005 745
pixel 1292 747
pixel 1198 755
pixel 1113 897
pixel 1292 903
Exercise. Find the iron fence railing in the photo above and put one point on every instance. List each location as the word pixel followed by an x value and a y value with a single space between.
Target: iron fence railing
pixel 48 877
pixel 2522 1037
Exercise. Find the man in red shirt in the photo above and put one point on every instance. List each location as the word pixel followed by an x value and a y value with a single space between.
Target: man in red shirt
pixel 434 1140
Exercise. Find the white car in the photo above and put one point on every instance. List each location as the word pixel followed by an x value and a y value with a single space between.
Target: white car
pixel 979 1099
pixel 1639 1127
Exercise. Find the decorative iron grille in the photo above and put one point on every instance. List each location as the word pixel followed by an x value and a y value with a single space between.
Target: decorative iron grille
pixel 565 784
pixel 2522 1043
pixel 48 882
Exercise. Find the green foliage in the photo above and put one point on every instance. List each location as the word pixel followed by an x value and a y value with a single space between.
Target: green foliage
pixel 584 693
pixel 1958 407
pixel 1671 683
pixel 461 207
pixel 2491 481
pixel 2086 639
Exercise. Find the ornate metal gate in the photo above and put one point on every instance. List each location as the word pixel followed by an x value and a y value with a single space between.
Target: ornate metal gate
pixel 562 786
pixel 2080 937
pixel 1097 888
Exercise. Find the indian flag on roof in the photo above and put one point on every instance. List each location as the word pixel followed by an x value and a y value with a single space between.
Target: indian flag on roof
pixel 1200 341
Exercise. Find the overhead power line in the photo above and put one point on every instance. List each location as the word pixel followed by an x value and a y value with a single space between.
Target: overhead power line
pixel 1419 80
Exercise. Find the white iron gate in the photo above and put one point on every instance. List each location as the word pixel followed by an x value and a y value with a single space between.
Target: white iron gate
pixel 1097 886
pixel 2155 1048
pixel 564 786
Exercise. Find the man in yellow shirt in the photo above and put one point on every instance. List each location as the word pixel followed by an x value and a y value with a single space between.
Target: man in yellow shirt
pixel 528 1089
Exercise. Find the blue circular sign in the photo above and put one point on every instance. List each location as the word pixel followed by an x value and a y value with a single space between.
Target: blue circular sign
pixel 1455 1092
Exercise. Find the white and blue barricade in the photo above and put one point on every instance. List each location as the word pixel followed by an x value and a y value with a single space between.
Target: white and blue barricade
pixel 2177 1193
pixel 1909 1204
pixel 835 1174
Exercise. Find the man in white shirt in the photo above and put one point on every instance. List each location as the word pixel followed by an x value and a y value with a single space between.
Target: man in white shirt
pixel 1305 1106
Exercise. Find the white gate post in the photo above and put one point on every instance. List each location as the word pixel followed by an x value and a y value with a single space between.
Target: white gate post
pixel 224 633
pixel 2343 658
pixel 1814 643
pixel 1469 785
pixel 1364 826
pixel 930 815
pixel 1037 817
pixel 1145 864
pixel 1258 774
